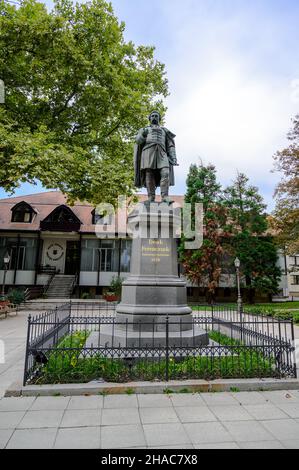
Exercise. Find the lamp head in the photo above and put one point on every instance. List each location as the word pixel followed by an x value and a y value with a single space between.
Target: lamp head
pixel 6 258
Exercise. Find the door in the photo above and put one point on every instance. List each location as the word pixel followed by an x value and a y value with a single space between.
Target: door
pixel 72 257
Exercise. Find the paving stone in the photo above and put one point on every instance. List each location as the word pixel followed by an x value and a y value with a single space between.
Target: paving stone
pixel 166 434
pixel 198 414
pixel 32 439
pixel 281 397
pixel 222 398
pixel 291 410
pixel 204 433
pixel 5 435
pixel 262 412
pixel 78 438
pixel 10 419
pixel 120 437
pixel 250 398
pixel 261 445
pixel 41 419
pixel 244 431
pixel 16 403
pixel 78 418
pixel 86 403
pixel 291 444
pixel 230 413
pixel 120 401
pixel 158 415
pixel 154 401
pixel 50 403
pixel 120 416
pixel 283 429
pixel 221 445
pixel 187 399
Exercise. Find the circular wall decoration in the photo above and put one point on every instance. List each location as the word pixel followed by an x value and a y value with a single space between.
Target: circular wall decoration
pixel 55 252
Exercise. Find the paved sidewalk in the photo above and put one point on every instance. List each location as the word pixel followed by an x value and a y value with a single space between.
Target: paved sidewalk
pixel 183 421
pixel 13 333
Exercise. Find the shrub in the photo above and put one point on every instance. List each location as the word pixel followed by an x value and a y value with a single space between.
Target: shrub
pixel 85 295
pixel 115 285
pixel 16 296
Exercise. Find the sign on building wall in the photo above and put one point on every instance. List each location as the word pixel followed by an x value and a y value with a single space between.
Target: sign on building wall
pixel 54 254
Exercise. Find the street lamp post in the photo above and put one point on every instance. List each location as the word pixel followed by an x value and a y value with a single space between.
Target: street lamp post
pixel 239 301
pixel 6 260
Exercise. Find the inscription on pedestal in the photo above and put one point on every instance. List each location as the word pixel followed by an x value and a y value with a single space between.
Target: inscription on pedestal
pixel 155 250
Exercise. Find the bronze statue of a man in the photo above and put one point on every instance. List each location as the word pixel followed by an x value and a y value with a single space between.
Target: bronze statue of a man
pixel 154 158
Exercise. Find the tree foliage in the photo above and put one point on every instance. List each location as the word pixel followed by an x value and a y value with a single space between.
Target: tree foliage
pixel 250 240
pixel 285 219
pixel 203 266
pixel 235 225
pixel 76 93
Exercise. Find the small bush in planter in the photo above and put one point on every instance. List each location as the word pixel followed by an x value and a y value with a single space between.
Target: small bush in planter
pixel 116 285
pixel 85 296
pixel 114 292
pixel 16 296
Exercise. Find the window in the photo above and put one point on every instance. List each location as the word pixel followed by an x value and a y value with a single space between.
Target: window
pixel 99 255
pixel 101 219
pixel 109 255
pixel 295 280
pixel 125 257
pixel 22 253
pixel 294 260
pixel 22 213
pixel 90 255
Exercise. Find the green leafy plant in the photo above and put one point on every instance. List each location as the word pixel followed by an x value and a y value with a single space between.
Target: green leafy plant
pixel 16 296
pixel 116 285
pixel 85 295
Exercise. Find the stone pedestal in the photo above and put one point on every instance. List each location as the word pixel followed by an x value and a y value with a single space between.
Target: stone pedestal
pixel 154 291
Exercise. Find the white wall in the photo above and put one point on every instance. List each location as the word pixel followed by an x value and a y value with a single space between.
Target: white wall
pixel 9 277
pixel 105 278
pixel 25 278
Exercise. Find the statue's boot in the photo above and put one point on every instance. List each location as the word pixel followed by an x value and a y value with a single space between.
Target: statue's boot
pixel 164 184
pixel 150 185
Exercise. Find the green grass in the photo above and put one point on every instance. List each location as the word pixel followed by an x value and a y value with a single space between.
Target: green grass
pixel 279 310
pixel 69 367
pixel 278 305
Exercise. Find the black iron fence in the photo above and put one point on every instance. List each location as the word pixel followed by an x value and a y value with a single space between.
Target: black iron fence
pixel 81 342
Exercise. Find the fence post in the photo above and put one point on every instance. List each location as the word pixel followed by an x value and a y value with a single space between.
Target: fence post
pixel 294 346
pixel 167 349
pixel 27 350
pixel 241 320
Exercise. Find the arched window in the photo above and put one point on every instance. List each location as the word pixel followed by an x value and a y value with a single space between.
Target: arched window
pixel 22 212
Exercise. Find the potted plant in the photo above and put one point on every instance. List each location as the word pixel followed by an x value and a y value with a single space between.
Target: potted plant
pixel 114 292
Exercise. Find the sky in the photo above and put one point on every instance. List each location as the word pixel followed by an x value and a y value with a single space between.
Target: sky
pixel 233 71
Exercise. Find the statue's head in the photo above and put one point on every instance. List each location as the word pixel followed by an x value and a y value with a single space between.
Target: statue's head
pixel 155 117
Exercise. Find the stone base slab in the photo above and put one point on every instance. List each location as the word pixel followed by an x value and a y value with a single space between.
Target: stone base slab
pixel 111 335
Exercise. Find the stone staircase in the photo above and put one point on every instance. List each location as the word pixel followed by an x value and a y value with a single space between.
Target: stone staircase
pixel 60 287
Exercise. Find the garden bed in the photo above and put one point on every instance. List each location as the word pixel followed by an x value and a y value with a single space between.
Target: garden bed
pixel 68 365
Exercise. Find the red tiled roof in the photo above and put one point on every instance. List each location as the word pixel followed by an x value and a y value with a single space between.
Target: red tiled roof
pixel 44 203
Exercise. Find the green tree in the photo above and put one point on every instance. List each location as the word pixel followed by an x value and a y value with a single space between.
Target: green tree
pixel 203 266
pixel 76 93
pixel 250 240
pixel 285 219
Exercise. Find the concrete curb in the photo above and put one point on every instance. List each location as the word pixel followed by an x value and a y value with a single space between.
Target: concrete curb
pixel 174 386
